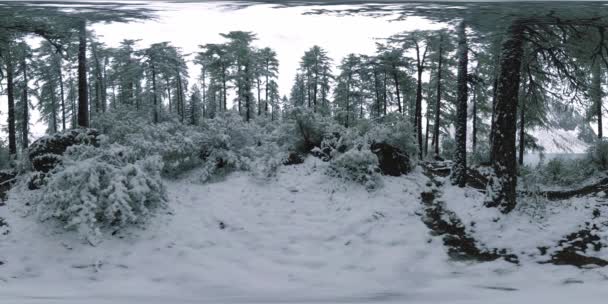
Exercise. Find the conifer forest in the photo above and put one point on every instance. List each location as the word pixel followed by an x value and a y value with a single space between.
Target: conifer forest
pixel 303 151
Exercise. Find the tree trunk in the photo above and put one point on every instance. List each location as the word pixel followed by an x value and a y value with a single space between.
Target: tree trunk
pixel 259 96
pixel 224 91
pixel 266 90
pixel 61 90
pixel 25 120
pixel 384 93
pixel 10 89
pixel 459 172
pixel 155 118
pixel 596 94
pixel 474 124
pixel 54 113
pixel 247 94
pixel 494 92
pixel 168 84
pixel 503 186
pixel 418 105
pixel 522 133
pixel 180 97
pixel 396 79
pixel 438 100
pixel 83 100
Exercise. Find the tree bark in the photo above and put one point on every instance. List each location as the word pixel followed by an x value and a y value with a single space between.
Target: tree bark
pixel 61 90
pixel 522 132
pixel 418 105
pixel 474 124
pixel 155 118
pixel 396 79
pixel 438 100
pixel 503 186
pixel 83 100
pixel 25 120
pixel 10 89
pixel 596 94
pixel 459 170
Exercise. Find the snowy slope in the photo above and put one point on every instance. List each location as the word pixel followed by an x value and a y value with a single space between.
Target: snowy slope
pixel 560 140
pixel 301 237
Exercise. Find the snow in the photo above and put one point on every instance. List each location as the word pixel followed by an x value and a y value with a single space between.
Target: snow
pixel 300 237
pixel 557 140
pixel 534 223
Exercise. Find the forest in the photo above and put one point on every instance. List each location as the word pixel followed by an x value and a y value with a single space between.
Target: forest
pixel 411 155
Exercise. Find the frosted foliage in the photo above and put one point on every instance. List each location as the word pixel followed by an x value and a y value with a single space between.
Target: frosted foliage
pixel 305 130
pixel 395 131
pixel 98 188
pixel 357 165
pixel 598 154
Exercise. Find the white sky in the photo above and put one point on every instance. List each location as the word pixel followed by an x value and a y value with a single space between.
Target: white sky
pixel 286 30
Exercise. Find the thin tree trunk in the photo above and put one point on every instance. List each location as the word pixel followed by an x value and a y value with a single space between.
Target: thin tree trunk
pixel 596 85
pixel 459 171
pixel 25 123
pixel 247 94
pixel 418 104
pixel 474 124
pixel 396 79
pixel 83 100
pixel 503 186
pixel 522 126
pixel 438 100
pixel 155 118
pixel 259 96
pixel 61 89
pixel 12 142
pixel 385 93
pixel 225 99
pixel 266 90
pixel 54 113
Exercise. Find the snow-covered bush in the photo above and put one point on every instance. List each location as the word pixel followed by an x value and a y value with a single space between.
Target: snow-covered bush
pixel 396 131
pixel 559 171
pixel 303 130
pixel 100 188
pixel 223 143
pixel 229 143
pixel 357 165
pixel 598 154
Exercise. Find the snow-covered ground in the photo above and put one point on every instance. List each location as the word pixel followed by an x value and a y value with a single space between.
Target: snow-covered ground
pixel 300 237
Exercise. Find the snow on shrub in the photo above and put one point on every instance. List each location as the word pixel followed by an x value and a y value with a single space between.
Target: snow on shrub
pixel 598 154
pixel 303 130
pixel 98 188
pixel 396 131
pixel 357 165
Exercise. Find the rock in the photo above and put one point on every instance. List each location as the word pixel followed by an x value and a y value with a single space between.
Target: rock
pixel 6 181
pixel 293 159
pixel 392 161
pixel 45 153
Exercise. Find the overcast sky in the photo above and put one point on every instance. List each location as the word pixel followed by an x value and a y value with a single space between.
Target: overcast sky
pixel 286 30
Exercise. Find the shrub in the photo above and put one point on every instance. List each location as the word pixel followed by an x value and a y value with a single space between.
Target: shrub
pixel 396 131
pixel 560 171
pixel 98 188
pixel 357 165
pixel 304 130
pixel 598 154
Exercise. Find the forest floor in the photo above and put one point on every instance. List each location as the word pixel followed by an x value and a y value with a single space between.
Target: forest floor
pixel 303 237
